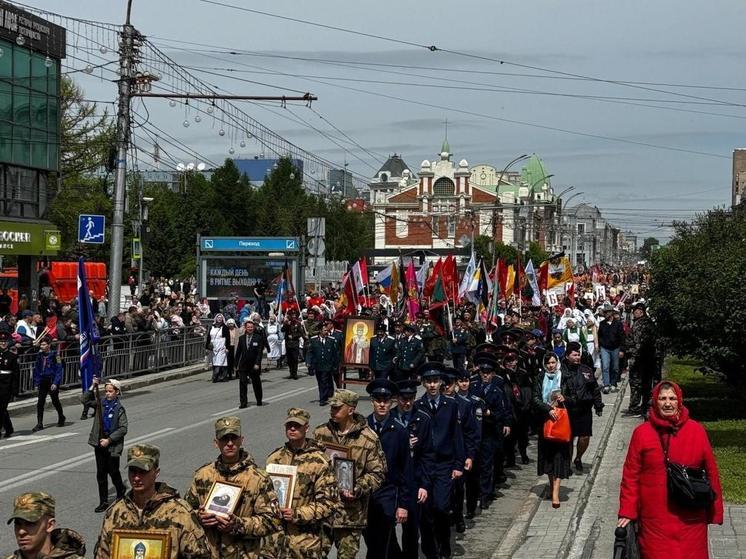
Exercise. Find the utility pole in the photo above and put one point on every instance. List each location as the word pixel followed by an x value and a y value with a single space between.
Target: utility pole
pixel 126 56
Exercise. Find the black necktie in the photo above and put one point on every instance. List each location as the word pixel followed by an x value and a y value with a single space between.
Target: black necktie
pixel 379 428
pixel 433 406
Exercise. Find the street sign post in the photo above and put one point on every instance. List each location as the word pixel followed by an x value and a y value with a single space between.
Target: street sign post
pixel 91 229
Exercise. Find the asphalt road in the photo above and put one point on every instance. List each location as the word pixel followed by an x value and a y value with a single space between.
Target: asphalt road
pixel 176 416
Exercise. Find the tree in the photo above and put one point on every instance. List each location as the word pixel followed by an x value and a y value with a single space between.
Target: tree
pixel 647 247
pixel 696 290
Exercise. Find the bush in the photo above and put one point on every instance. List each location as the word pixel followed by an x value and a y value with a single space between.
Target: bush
pixel 696 292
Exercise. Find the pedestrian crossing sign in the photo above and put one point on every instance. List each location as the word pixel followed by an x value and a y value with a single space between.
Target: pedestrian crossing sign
pixel 91 229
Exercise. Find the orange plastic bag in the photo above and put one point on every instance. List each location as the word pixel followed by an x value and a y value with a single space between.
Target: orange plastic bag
pixel 558 430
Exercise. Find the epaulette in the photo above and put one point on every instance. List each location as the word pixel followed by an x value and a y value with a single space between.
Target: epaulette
pixel 391 338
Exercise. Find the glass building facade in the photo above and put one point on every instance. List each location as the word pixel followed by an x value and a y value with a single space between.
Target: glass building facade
pixel 29 129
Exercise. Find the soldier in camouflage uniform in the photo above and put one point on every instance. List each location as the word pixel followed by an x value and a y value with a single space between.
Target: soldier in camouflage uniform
pixel 315 495
pixel 36 532
pixel 642 359
pixel 239 535
pixel 348 428
pixel 153 506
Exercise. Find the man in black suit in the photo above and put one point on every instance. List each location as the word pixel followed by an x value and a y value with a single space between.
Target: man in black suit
pixel 251 344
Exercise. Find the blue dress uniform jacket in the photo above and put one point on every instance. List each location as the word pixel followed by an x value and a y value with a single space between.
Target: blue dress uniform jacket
pixel 382 353
pixel 469 427
pixel 497 401
pixel 445 431
pixel 322 355
pixel 459 342
pixel 48 365
pixel 410 354
pixel 396 490
pixel 417 424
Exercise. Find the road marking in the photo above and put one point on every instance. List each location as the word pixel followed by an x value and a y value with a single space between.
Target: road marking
pixel 52 469
pixel 31 439
pixel 270 399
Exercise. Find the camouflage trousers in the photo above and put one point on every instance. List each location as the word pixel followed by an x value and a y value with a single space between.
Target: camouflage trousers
pixel 640 388
pixel 347 541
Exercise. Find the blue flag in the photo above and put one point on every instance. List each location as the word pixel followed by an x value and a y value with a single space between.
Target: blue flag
pixel 89 337
pixel 282 288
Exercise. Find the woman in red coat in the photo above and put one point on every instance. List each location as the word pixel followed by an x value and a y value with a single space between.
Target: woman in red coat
pixel 666 530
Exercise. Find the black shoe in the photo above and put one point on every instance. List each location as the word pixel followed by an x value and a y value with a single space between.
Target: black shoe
pixel 324 403
pixel 101 508
pixel 469 515
pixel 501 479
pixel 8 434
pixel 460 527
pixel 84 416
pixel 578 465
pixel 510 463
pixel 38 427
pixel 243 406
pixel 524 459
pixel 484 503
pixel 61 421
pixel 293 377
pixel 259 404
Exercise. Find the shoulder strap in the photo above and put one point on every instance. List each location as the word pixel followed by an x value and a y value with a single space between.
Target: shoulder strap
pixel 664 445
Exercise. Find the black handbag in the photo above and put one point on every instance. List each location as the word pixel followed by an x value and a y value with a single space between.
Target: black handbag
pixel 687 487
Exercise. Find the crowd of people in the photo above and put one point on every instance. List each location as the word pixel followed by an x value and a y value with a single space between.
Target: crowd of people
pixel 433 463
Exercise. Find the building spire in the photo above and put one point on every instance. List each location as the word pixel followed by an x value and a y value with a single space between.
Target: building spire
pixel 446 148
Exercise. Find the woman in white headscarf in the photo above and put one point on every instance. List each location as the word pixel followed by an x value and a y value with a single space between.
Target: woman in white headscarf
pixel 275 341
pixel 218 342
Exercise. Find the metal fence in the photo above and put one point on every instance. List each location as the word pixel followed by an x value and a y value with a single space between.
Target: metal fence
pixel 125 355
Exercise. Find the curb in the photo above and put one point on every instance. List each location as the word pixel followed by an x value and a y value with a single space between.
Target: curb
pixel 516 534
pixel 585 490
pixel 27 406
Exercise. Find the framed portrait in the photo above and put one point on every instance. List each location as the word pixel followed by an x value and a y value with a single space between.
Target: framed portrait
pixel 223 498
pixel 359 332
pixel 334 451
pixel 344 470
pixel 284 486
pixel 131 544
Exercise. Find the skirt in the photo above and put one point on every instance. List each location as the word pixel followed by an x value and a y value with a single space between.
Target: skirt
pixel 553 458
pixel 581 422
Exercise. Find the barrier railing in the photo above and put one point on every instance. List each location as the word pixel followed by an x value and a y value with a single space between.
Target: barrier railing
pixel 124 356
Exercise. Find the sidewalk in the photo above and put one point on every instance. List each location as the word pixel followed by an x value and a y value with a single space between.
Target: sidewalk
pixel 541 531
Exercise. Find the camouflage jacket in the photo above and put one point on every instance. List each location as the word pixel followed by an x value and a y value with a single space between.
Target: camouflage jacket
pixel 164 511
pixel 257 514
pixel 370 468
pixel 68 544
pixel 314 500
pixel 641 350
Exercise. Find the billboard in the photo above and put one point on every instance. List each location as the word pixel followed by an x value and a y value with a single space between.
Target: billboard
pixel 224 277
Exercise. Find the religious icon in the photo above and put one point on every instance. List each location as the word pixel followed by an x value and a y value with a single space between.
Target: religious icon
pixel 223 498
pixel 284 485
pixel 334 451
pixel 344 470
pixel 132 544
pixel 358 334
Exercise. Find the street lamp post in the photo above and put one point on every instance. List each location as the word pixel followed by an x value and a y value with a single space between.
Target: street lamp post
pixel 144 201
pixel 497 196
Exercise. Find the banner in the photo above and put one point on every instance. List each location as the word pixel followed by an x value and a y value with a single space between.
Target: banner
pixel 89 336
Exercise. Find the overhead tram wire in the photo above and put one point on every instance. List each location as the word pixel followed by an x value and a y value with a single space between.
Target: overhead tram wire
pixel 352 63
pixel 501 119
pixel 434 48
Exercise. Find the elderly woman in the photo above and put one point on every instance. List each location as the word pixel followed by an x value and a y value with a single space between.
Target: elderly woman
pixel 233 343
pixel 107 439
pixel 275 341
pixel 218 345
pixel 665 529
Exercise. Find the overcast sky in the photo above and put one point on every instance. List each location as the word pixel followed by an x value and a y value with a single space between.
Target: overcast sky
pixel 668 42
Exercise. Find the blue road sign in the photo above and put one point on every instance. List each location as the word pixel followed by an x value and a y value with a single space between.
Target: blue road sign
pixel 91 229
pixel 250 244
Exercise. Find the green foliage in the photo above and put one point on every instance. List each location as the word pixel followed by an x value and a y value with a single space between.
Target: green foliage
pixel 696 291
pixel 484 248
pixel 647 247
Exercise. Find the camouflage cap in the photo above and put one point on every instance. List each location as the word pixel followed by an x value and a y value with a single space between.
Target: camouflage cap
pixel 143 456
pixel 32 506
pixel 298 415
pixel 343 396
pixel 230 425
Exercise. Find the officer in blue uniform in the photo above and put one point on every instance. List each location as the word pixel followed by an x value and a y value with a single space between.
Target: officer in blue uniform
pixel 409 355
pixel 322 358
pixel 470 430
pixel 459 343
pixel 335 332
pixel 382 353
pixel 496 424
pixel 417 424
pixel 448 449
pixel 391 503
pixel 48 370
pixel 463 382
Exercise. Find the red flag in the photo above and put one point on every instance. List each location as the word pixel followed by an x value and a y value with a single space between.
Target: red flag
pixel 350 293
pixel 571 294
pixel 364 271
pixel 502 277
pixel 432 279
pixel 543 275
pixel 450 277
pixel 413 300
